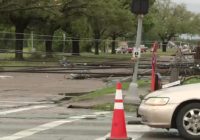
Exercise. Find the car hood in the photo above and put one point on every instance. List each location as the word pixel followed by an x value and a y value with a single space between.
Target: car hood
pixel 191 90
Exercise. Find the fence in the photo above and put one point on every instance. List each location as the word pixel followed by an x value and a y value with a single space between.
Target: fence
pixel 34 51
pixel 35 44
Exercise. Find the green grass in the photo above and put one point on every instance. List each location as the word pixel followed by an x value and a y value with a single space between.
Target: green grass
pixel 110 107
pixel 25 63
pixel 144 83
pixel 192 81
pixel 109 90
pixel 100 92
pixel 35 60
pixel 169 52
pixel 16 65
pixel 38 60
pixel 84 57
pixel 88 57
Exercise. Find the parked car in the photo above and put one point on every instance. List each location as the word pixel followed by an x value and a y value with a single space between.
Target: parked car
pixel 121 50
pixel 130 50
pixel 175 107
pixel 143 49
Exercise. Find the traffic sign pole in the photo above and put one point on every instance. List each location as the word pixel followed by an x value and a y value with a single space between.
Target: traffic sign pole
pixel 133 97
pixel 138 43
pixel 140 8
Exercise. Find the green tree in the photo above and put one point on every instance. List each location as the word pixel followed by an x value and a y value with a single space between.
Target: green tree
pixel 195 28
pixel 74 22
pixel 77 29
pixel 20 13
pixel 46 22
pixel 98 14
pixel 121 23
pixel 170 19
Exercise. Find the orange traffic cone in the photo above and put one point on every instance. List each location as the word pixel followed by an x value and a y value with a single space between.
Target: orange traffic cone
pixel 118 131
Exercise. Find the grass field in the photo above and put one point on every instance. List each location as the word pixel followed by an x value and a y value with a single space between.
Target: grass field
pixel 110 90
pixel 8 59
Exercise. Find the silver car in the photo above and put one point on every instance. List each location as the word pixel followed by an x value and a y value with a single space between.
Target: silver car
pixel 175 107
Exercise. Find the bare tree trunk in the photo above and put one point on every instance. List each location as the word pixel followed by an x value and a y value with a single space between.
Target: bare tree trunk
pixel 164 46
pixel 48 45
pixel 20 26
pixel 75 46
pixel 113 44
pixel 19 43
pixel 97 42
pixel 96 48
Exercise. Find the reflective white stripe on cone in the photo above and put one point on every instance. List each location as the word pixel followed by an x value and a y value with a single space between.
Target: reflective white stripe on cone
pixel 119 106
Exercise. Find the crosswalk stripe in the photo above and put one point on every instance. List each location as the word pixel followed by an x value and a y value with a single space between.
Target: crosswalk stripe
pixel 47 126
pixel 102 113
pixel 20 102
pixel 21 109
pixel 29 132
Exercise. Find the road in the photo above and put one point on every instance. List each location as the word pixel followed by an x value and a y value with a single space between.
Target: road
pixel 39 121
pixel 28 112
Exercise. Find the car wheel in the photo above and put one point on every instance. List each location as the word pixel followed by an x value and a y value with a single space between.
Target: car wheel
pixel 188 121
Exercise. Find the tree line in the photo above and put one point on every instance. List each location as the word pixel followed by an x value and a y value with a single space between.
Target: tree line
pixel 97 19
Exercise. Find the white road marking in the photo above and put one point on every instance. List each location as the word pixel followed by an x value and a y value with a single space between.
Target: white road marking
pixel 84 117
pixel 20 102
pixel 6 105
pixel 90 116
pixel 77 117
pixel 5 77
pixel 129 116
pixel 134 131
pixel 21 109
pixel 29 132
pixel 102 113
pixel 47 126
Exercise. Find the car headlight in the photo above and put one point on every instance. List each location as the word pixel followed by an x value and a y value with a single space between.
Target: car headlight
pixel 157 101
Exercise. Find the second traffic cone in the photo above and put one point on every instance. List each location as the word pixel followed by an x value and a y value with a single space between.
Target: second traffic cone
pixel 118 130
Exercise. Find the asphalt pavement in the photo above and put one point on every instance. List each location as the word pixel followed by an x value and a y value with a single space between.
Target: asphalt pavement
pixel 53 122
pixel 28 112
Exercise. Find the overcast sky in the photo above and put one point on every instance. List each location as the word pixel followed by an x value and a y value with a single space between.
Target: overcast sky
pixel 192 5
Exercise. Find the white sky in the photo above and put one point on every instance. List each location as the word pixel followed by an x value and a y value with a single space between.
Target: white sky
pixel 192 5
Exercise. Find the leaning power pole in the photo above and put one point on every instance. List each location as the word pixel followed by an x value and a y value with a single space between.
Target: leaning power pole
pixel 139 8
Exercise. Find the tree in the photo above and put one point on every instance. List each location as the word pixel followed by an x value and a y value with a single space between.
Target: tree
pixel 76 29
pixel 125 22
pixel 195 28
pixel 74 22
pixel 7 6
pixel 20 13
pixel 98 14
pixel 46 22
pixel 170 19
pixel 121 23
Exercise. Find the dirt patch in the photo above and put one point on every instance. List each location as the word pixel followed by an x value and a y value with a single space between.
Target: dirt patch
pixel 40 87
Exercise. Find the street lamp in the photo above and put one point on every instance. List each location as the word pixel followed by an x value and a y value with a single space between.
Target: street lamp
pixel 140 8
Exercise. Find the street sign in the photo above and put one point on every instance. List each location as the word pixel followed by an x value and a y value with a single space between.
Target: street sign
pixel 136 52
